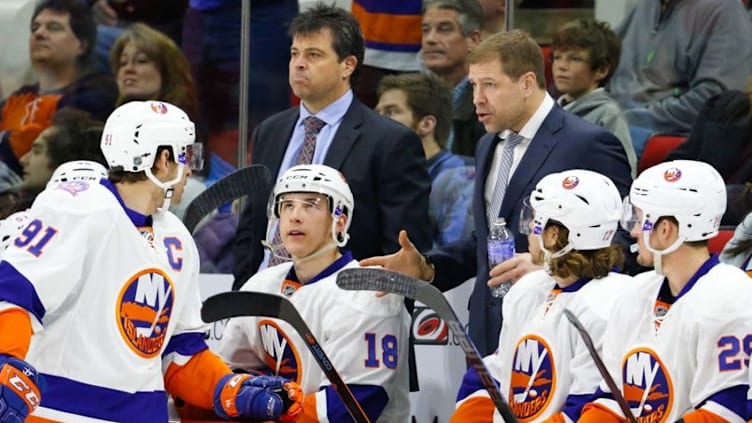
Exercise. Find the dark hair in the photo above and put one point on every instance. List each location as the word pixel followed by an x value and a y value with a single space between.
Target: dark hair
pixel 672 219
pixel 517 52
pixel 76 136
pixel 81 22
pixel 347 38
pixel 117 174
pixel 594 264
pixel 427 95
pixel 597 38
pixel 469 11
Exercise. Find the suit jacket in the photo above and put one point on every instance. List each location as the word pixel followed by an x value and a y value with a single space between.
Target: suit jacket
pixel 384 165
pixel 467 129
pixel 564 141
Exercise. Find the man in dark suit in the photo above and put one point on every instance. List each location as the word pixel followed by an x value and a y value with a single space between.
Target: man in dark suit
pixel 534 137
pixel 382 160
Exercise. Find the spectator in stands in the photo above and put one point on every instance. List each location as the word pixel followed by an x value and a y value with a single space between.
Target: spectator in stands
pixel 451 29
pixel 676 55
pixel 721 137
pixel 585 55
pixel 494 16
pixel 738 250
pixel 391 30
pixel 72 135
pixel 62 39
pixel 423 103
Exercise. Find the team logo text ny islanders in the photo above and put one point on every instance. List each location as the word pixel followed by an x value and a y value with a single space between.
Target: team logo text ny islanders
pixel 533 378
pixel 143 311
pixel 281 356
pixel 647 386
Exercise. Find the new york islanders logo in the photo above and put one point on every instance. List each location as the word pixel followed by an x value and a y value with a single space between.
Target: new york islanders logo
pixel 143 311
pixel 570 182
pixel 672 174
pixel 281 356
pixel 533 378
pixel 428 328
pixel 158 107
pixel 647 386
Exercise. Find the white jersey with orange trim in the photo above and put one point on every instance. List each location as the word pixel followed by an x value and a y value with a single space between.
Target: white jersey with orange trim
pixel 543 366
pixel 109 306
pixel 365 337
pixel 672 358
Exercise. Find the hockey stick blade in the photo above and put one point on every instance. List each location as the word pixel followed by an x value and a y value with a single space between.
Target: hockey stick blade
pixel 376 279
pixel 251 179
pixel 245 303
pixel 615 391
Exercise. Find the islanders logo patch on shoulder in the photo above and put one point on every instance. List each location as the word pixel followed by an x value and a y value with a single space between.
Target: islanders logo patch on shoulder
pixel 533 378
pixel 281 356
pixel 647 386
pixel 143 311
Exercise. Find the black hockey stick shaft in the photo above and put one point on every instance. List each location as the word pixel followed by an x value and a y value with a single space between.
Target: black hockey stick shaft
pixel 615 391
pixel 375 279
pixel 245 303
pixel 245 181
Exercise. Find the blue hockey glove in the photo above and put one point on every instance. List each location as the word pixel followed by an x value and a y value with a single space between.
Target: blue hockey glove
pixel 256 397
pixel 20 389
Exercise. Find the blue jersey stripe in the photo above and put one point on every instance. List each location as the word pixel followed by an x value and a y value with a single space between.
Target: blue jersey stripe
pixel 16 289
pixel 73 397
pixel 372 398
pixel 733 398
pixel 186 344
pixel 392 7
pixel 574 404
pixel 471 383
pixel 398 48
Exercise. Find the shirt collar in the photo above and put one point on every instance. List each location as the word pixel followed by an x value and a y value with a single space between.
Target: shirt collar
pixel 536 120
pixel 331 114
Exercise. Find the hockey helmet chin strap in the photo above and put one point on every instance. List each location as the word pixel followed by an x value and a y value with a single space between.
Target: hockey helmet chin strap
pixel 647 228
pixel 167 186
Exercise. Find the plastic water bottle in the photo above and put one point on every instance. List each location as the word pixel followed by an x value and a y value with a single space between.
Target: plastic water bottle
pixel 500 248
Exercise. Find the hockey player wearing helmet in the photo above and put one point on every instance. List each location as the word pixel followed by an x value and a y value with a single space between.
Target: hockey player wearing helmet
pixel 677 341
pixel 365 336
pixel 542 365
pixel 113 280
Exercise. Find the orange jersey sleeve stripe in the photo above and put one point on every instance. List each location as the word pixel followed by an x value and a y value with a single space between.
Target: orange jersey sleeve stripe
pixel 15 325
pixel 556 418
pixel 37 419
pixel 475 409
pixel 195 381
pixel 389 28
pixel 702 416
pixel 596 413
pixel 310 412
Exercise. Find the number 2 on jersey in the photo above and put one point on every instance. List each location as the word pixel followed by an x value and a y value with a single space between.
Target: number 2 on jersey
pixel 29 234
pixel 389 351
pixel 731 346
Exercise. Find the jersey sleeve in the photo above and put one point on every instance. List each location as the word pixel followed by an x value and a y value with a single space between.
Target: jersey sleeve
pixel 473 400
pixel 368 345
pixel 44 264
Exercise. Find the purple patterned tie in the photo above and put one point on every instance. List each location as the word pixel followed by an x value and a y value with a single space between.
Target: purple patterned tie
pixel 312 126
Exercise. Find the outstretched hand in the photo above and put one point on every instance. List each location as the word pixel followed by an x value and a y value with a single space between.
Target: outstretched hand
pixel 408 260
pixel 511 270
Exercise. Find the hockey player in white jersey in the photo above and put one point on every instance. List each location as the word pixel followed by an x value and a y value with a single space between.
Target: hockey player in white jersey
pixel 678 340
pixel 365 336
pixel 542 365
pixel 108 285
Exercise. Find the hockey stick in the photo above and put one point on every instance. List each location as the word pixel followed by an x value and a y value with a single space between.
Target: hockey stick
pixel 374 279
pixel 615 391
pixel 251 179
pixel 245 303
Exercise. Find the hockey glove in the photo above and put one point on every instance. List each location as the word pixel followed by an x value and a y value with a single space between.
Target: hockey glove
pixel 258 398
pixel 20 386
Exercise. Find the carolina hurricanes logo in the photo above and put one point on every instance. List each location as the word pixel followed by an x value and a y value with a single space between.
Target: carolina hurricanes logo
pixel 143 311
pixel 159 108
pixel 570 182
pixel 281 356
pixel 428 328
pixel 672 174
pixel 647 386
pixel 533 378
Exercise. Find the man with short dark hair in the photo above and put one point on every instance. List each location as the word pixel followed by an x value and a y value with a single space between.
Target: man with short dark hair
pixel 62 39
pixel 382 160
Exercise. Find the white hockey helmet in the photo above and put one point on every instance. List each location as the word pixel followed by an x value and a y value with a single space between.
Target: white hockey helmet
pixel 585 202
pixel 318 179
pixel 78 170
pixel 135 130
pixel 692 192
pixel 10 227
